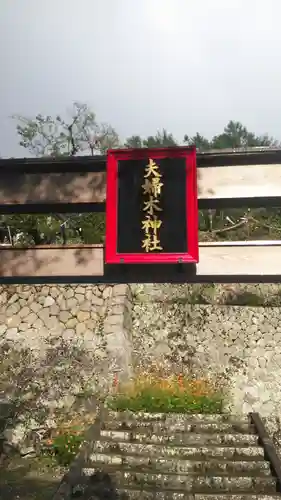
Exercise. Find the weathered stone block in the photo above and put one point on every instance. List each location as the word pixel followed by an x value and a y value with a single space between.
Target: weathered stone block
pixel 13 299
pixel 80 298
pixel 44 314
pixel 31 318
pixel 71 323
pixel 35 307
pixel 49 301
pixel 24 312
pixel 97 301
pixel 80 328
pixel 83 316
pixel 12 334
pixel 64 316
pixel 13 321
pixel 13 309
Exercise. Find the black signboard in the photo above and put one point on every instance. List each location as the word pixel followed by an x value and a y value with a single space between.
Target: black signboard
pixel 151 206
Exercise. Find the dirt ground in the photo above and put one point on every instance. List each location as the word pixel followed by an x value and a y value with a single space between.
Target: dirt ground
pixel 29 479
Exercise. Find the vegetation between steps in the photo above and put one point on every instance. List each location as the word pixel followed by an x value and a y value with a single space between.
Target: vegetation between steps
pixel 64 442
pixel 150 392
pixel 64 446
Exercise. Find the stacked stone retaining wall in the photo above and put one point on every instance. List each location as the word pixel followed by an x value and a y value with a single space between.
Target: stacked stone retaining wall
pixel 120 326
pixel 239 344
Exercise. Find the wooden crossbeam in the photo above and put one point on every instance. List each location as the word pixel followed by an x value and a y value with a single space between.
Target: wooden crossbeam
pixel 241 262
pixel 238 185
pixel 226 179
pixel 79 184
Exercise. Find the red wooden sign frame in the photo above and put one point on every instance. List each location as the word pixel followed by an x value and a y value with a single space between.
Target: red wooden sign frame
pixel 116 155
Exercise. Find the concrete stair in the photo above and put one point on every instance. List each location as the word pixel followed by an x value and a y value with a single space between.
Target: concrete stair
pixel 173 457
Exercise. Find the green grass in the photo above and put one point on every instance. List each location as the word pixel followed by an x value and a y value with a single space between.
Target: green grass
pixel 157 401
pixel 175 395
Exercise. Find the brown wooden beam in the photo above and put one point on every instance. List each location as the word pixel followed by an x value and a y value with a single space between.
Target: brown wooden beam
pixel 60 261
pixel 68 187
pixel 51 185
pixel 217 186
pixel 236 181
pixel 241 262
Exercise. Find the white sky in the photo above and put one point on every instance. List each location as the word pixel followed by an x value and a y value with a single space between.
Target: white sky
pixel 142 65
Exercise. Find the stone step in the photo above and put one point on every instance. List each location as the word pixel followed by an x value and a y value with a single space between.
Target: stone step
pixel 187 483
pixel 176 465
pixel 141 417
pixel 191 423
pixel 183 452
pixel 241 496
pixel 104 486
pixel 187 425
pixel 167 495
pixel 181 438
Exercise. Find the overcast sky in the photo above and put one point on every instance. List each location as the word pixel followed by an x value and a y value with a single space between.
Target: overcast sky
pixel 185 65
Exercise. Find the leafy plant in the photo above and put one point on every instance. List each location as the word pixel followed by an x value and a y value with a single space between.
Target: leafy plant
pixel 65 446
pixel 173 394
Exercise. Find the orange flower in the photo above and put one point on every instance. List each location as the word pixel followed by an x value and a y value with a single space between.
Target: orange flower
pixel 180 380
pixel 115 380
pixel 49 442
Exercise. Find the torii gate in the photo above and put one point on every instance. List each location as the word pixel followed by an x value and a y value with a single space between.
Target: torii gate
pixel 225 179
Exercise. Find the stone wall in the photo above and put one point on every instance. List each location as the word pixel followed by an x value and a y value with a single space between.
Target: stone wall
pixel 117 326
pixel 67 321
pixel 57 342
pixel 241 345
